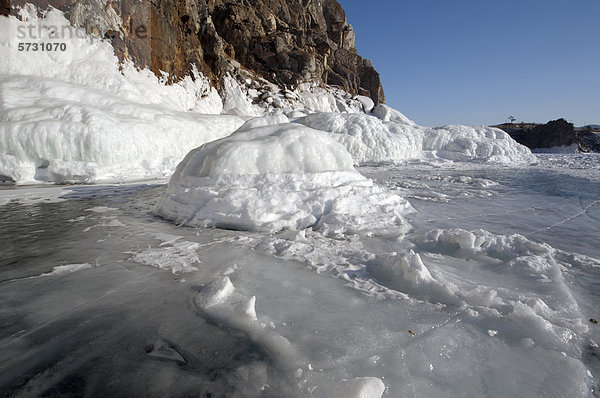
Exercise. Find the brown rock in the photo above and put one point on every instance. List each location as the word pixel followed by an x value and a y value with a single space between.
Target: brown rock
pixel 284 41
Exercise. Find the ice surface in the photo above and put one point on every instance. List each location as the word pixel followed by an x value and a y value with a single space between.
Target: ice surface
pixel 326 282
pixel 471 302
pixel 268 178
pixel 573 148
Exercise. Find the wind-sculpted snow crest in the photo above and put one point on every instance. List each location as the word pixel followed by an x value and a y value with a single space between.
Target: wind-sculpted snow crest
pixel 270 178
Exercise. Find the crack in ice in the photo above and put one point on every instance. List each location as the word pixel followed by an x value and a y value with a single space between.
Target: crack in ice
pixel 582 212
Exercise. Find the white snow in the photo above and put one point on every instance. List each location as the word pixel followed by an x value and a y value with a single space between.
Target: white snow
pixel 279 149
pixel 392 137
pixel 366 137
pixel 360 387
pixel 179 257
pixel 269 178
pixel 388 114
pixel 237 100
pixel 464 143
pixel 67 269
pixel 72 116
pixel 215 293
pixel 263 121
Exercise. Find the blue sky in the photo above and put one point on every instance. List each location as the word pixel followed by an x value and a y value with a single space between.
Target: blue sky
pixel 477 62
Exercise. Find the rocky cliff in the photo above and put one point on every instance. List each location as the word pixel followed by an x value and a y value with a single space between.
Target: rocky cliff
pixel 556 133
pixel 286 42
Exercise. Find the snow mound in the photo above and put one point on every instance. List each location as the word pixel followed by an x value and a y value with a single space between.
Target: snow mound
pixel 366 137
pixel 278 149
pixel 277 177
pixel 392 137
pixel 464 143
pixel 73 116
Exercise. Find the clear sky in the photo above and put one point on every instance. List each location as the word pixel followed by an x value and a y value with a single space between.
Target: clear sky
pixel 480 61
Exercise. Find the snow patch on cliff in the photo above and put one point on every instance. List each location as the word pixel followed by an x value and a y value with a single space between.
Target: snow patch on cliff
pixel 73 116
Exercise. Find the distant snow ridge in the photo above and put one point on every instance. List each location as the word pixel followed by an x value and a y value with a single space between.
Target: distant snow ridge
pixel 480 143
pixel 270 178
pixel 387 135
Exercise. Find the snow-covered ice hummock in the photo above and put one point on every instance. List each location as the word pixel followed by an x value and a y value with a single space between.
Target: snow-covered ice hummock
pixel 79 116
pixel 267 177
pixel 387 135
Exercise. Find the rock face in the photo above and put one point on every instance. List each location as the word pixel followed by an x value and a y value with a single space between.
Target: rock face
pixel 556 133
pixel 286 42
pixel 552 134
pixel 588 140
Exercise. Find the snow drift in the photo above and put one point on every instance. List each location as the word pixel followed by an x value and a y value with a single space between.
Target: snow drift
pixel 73 116
pixel 269 178
pixel 387 135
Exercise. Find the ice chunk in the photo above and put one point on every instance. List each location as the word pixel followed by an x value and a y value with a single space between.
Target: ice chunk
pixel 464 143
pixel 360 387
pixel 237 101
pixel 366 102
pixel 248 309
pixel 512 279
pixel 216 293
pixel 406 273
pixel 164 350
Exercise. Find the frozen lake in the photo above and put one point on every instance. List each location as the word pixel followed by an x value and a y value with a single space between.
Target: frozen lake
pixel 490 294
